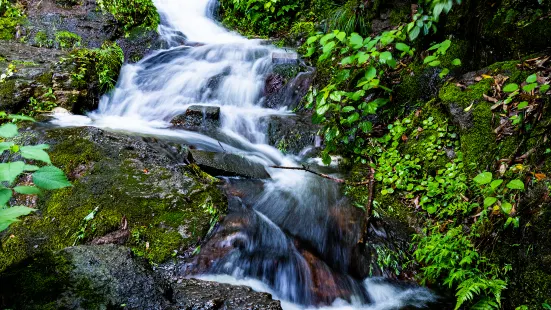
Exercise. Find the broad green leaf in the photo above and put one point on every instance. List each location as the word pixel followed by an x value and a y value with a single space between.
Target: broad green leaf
pixel 5 196
pixel 516 184
pixel 456 62
pixel 370 74
pixel 35 153
pixel 366 126
pixel 402 47
pixel 312 40
pixel 327 48
pixel 341 36
pixel 310 52
pixel 10 171
pixel 385 56
pixel 8 130
pixel 18 117
pixel 10 215
pixel 4 146
pixel 326 38
pixel 347 60
pixel 544 88
pixel 444 72
pixel 50 177
pixel 348 109
pixel 27 190
pixel 356 41
pixel 429 59
pixel 483 178
pixel 509 88
pixel 362 58
pixel 529 87
pixel 31 168
pixel 506 207
pixel 414 33
pixel 522 105
pixel 353 118
pixel 495 184
pixel 489 201
pixel 532 78
pixel 434 63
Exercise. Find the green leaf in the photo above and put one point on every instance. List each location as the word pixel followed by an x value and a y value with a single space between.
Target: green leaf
pixel 444 72
pixel 326 38
pixel 434 63
pixel 10 171
pixel 532 78
pixel 5 196
pixel 8 130
pixel 31 168
pixel 429 59
pixel 483 178
pixel 522 105
pixel 50 177
pixel 516 184
pixel 456 62
pixel 509 88
pixel 341 36
pixel 348 109
pixel 544 88
pixel 35 153
pixel 414 33
pixel 27 190
pixel 10 215
pixel 402 47
pixel 362 58
pixel 312 40
pixel 18 117
pixel 506 207
pixel 529 87
pixel 371 73
pixel 327 48
pixel 489 201
pixel 356 41
pixel 495 184
pixel 4 146
pixel 366 126
pixel 385 56
pixel 353 118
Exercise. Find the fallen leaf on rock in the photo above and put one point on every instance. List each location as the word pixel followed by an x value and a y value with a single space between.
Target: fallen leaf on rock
pixel 490 99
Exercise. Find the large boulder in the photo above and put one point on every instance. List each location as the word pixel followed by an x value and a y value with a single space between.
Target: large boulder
pixel 287 85
pixel 198 117
pixel 168 204
pixel 109 277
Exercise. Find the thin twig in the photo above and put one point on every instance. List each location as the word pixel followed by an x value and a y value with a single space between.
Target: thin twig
pixel 325 176
pixel 223 149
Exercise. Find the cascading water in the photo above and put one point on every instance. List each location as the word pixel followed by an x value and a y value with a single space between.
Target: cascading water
pixel 281 236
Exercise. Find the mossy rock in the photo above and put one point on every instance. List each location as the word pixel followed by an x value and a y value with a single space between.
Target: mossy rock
pixel 167 203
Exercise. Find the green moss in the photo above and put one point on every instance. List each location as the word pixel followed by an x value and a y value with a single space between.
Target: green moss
pixel 400 15
pixel 169 221
pixel 476 136
pixel 132 13
pixel 41 39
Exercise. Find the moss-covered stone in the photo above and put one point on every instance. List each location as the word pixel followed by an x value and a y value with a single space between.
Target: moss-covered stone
pixel 478 141
pixel 115 176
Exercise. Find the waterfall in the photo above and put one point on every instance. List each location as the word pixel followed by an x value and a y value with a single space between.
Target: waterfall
pixel 220 68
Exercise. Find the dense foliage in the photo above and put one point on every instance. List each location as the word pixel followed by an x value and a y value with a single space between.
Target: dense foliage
pixel 132 13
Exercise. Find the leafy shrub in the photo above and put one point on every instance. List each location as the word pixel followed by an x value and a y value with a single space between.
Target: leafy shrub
pixel 103 63
pixel 67 39
pixel 132 13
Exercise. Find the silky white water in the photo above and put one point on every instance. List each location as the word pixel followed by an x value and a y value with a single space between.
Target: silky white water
pixel 221 68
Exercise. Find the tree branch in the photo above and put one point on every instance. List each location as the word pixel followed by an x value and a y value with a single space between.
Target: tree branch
pixel 325 176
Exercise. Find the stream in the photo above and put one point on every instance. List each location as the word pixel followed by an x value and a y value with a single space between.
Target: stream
pixel 290 235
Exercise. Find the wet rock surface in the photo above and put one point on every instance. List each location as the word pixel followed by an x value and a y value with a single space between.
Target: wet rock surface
pixel 287 85
pixel 109 276
pixel 224 164
pixel 198 117
pixel 292 134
